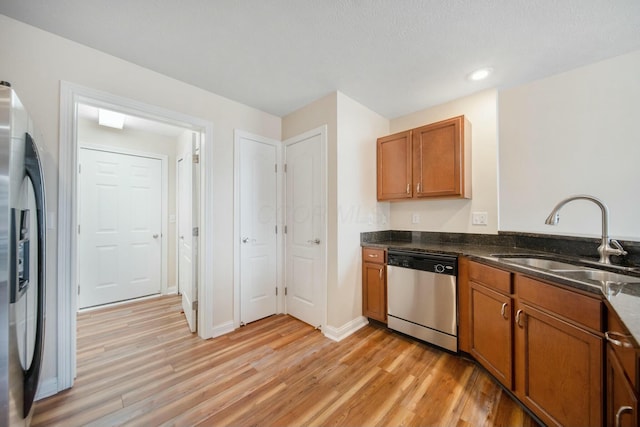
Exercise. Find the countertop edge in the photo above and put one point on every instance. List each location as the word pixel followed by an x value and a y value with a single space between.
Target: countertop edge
pixel 625 304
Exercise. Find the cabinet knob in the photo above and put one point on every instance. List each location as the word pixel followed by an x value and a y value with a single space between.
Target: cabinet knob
pixel 503 310
pixel 621 411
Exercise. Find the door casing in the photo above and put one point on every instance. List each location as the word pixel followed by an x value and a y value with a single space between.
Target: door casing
pixel 70 96
pixel 188 290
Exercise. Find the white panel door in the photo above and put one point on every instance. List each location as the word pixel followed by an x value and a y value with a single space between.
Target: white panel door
pixel 187 243
pixel 120 212
pixel 258 220
pixel 305 246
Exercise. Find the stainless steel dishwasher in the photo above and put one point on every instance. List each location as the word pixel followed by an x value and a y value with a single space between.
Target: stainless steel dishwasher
pixel 422 296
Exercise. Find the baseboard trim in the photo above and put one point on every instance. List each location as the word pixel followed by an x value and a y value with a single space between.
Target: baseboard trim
pixel 47 388
pixel 222 329
pixel 338 334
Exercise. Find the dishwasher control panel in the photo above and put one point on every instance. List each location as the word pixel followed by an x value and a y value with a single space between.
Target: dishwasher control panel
pixel 435 263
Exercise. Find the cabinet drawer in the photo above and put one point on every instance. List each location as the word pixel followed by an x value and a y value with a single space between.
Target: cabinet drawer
pixel 495 278
pixel 374 255
pixel 579 308
pixel 623 347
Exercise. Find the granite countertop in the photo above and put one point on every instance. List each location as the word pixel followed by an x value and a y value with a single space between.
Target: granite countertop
pixel 622 296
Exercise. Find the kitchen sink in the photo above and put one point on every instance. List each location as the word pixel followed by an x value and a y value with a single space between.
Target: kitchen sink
pixel 545 264
pixel 599 275
pixel 571 271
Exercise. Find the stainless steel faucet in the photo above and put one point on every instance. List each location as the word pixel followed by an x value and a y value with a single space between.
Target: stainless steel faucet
pixel 608 246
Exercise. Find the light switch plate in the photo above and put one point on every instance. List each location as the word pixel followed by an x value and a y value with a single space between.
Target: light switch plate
pixel 415 218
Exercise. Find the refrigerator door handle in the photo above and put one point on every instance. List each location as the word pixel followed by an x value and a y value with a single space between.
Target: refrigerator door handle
pixel 34 172
pixel 19 268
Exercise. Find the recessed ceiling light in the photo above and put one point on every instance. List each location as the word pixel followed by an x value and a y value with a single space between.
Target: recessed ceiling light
pixel 110 119
pixel 480 74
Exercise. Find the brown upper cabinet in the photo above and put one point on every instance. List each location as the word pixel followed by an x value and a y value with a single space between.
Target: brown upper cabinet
pixel 426 162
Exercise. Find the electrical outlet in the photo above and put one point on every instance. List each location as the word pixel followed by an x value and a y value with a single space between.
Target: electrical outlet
pixel 479 218
pixel 415 218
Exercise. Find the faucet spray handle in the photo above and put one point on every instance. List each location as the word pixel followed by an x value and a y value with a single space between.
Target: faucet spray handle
pixel 619 249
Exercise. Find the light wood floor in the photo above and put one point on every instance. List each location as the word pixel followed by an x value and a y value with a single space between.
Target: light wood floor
pixel 139 365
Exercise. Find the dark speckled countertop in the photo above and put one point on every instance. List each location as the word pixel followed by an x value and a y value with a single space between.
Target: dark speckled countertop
pixel 622 296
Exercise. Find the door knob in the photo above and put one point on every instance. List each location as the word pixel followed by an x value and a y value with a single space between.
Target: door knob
pixel 245 240
pixel 314 241
pixel 155 236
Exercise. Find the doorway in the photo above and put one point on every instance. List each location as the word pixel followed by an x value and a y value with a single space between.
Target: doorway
pixel 67 273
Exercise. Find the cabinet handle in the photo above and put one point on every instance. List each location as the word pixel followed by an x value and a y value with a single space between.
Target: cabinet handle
pixel 381 273
pixel 408 188
pixel 418 188
pixel 618 339
pixel 504 309
pixel 621 411
pixel 373 255
pixel 518 314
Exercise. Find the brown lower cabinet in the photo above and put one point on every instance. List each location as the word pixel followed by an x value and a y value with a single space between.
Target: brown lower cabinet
pixel 622 402
pixel 492 331
pixel 374 284
pixel 558 369
pixel 621 371
pixel 541 341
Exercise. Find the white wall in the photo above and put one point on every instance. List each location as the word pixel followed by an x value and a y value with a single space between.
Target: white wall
pixel 454 215
pixel 35 62
pixel 575 132
pixel 89 132
pixel 358 210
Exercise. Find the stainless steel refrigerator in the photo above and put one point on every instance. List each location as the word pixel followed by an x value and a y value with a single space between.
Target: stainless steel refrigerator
pixel 22 261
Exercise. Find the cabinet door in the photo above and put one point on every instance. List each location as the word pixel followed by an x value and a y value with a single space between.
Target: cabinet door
pixel 491 332
pixel 374 292
pixel 558 369
pixel 622 404
pixel 438 159
pixel 394 167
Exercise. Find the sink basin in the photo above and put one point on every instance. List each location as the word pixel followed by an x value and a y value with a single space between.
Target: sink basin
pixel 570 271
pixel 599 275
pixel 545 264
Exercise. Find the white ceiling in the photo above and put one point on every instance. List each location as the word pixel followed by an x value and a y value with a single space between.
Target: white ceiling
pixel 394 56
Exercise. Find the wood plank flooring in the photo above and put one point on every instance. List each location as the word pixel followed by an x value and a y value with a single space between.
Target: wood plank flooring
pixel 139 365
